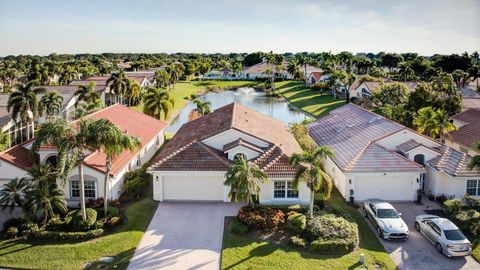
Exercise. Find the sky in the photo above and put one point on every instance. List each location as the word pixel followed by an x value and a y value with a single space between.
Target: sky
pixel 224 26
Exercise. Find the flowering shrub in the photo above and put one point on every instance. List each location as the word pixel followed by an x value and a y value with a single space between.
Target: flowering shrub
pixel 261 217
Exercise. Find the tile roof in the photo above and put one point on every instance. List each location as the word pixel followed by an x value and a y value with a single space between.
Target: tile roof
pixel 243 143
pixel 18 156
pixel 316 75
pixel 144 127
pixel 453 162
pixel 469 133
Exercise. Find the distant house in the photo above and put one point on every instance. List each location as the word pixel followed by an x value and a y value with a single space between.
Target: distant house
pixel 222 74
pixel 378 158
pixel 364 89
pixel 16 161
pixel 468 133
pixel 317 76
pixel 258 72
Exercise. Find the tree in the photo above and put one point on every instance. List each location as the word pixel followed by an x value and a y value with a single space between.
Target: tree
pixel 244 179
pixel 394 94
pixel 88 94
pixel 4 140
pixel 303 61
pixel 23 103
pixel 460 77
pixel 434 123
pixel 406 70
pixel 292 68
pixel 347 79
pixel 134 93
pixel 162 78
pixel 113 142
pixel 118 84
pixel 51 104
pixel 71 143
pixel 156 101
pixel 47 199
pixel 13 194
pixel 253 59
pixel 203 107
pixel 474 163
pixel 310 170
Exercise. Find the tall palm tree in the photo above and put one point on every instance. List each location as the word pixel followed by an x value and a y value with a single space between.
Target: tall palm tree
pixel 406 70
pixel 156 101
pixel 118 84
pixel 4 140
pixel 244 179
pixel 292 67
pixel 51 103
pixel 435 123
pixel 162 78
pixel 23 103
pixel 310 170
pixel 88 94
pixel 134 93
pixel 203 107
pixel 71 143
pixel 47 199
pixel 475 162
pixel 112 141
pixel 303 61
pixel 13 194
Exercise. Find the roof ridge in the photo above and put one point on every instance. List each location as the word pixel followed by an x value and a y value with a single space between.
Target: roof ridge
pixel 207 148
pixel 460 164
pixel 232 120
pixel 401 156
pixel 268 165
pixel 355 158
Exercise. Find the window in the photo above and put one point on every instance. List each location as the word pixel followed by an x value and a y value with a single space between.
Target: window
pixel 89 189
pixel 473 187
pixel 284 189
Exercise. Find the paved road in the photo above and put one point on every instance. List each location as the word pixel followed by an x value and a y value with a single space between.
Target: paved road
pixel 184 236
pixel 417 253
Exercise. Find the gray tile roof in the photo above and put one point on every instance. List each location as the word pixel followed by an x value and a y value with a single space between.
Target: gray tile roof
pixel 408 145
pixel 453 162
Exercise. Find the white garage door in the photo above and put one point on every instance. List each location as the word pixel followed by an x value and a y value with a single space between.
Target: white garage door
pixel 392 188
pixel 193 188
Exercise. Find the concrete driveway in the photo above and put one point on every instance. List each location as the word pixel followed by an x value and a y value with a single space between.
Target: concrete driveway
pixel 184 236
pixel 417 253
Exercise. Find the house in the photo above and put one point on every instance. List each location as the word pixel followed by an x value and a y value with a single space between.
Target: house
pixel 222 74
pixel 257 71
pixel 18 131
pixel 378 158
pixel 192 166
pixel 16 161
pixel 363 89
pixel 468 131
pixel 317 76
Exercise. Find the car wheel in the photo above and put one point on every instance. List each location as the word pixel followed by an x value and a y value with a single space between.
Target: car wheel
pixel 438 247
pixel 379 232
pixel 417 226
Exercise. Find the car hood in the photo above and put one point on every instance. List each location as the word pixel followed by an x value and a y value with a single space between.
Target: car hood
pixel 393 224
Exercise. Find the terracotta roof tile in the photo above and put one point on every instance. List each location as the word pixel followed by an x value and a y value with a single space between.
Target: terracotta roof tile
pixel 18 156
pixel 469 133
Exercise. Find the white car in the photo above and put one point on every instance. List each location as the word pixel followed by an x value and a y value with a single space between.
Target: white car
pixel 444 235
pixel 387 221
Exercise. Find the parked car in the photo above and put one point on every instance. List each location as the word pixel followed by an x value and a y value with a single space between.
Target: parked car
pixel 387 221
pixel 444 235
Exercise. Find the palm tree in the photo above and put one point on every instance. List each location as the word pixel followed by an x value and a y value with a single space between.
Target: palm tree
pixel 406 70
pixel 244 179
pixel 162 78
pixel 156 101
pixel 46 198
pixel 88 94
pixel 475 162
pixel 435 123
pixel 51 103
pixel 303 61
pixel 113 142
pixel 4 140
pixel 24 103
pixel 313 172
pixel 71 144
pixel 134 93
pixel 13 194
pixel 292 68
pixel 203 107
pixel 118 84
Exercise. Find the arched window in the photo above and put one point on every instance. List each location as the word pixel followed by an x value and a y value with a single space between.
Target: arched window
pixel 52 160
pixel 239 156
pixel 420 159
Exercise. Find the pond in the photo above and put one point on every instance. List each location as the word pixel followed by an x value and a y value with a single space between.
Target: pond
pixel 277 108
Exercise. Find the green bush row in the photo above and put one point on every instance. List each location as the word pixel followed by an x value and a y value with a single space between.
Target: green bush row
pixel 330 227
pixel 54 235
pixel 332 246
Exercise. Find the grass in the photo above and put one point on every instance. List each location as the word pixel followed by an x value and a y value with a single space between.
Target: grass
pixel 248 253
pixel 476 250
pixel 306 99
pixel 73 255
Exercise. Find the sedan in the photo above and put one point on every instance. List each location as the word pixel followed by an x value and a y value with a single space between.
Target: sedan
pixel 387 221
pixel 444 235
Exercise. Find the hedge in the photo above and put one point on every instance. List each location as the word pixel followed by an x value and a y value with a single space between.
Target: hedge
pixel 297 242
pixel 332 246
pixel 69 235
pixel 331 227
pixel 77 220
pixel 297 222
pixel 452 207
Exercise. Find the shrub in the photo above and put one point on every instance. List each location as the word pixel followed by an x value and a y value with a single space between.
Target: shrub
pixel 12 232
pixel 319 86
pixel 297 222
pixel 466 218
pixel 261 217
pixel 452 207
pixel 331 227
pixel 115 203
pixel 441 199
pixel 297 241
pixel 332 246
pixel 29 229
pixel 237 227
pixel 78 223
pixel 472 202
pixel 135 183
pixel 57 224
pixel 12 222
pixel 113 222
pixel 475 228
pixel 69 235
pixel 288 208
pixel 99 224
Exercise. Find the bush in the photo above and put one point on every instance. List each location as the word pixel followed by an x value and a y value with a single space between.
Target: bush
pixel 29 229
pixel 441 199
pixel 57 224
pixel 475 228
pixel 467 218
pixel 332 246
pixel 331 227
pixel 320 86
pixel 113 222
pixel 12 232
pixel 237 227
pixel 12 222
pixel 452 207
pixel 261 217
pixel 297 222
pixel 297 242
pixel 135 183
pixel 69 235
pixel 472 202
pixel 115 203
pixel 78 223
pixel 288 208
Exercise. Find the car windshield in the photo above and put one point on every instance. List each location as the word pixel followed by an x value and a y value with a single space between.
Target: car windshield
pixel 454 235
pixel 387 213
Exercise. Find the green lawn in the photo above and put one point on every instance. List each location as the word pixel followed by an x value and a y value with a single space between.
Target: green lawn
pixel 476 250
pixel 247 253
pixel 73 255
pixel 304 98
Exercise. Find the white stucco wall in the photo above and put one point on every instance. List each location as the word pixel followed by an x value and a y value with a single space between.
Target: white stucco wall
pixel 9 172
pixel 402 136
pixel 340 180
pixel 428 153
pixel 242 150
pixel 266 193
pixel 228 136
pixel 439 183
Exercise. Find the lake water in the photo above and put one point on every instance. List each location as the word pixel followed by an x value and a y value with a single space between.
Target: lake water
pixel 277 108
